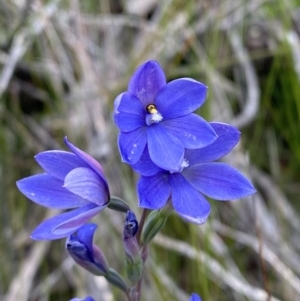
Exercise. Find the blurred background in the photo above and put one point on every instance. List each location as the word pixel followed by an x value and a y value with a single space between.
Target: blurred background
pixel 62 63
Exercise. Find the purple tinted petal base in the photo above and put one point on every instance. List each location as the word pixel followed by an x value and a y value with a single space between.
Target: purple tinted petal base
pixel 187 201
pixel 85 183
pixel 90 161
pixel 192 130
pixel 146 81
pixel 100 260
pixel 132 145
pixel 165 150
pixel 180 97
pixel 64 224
pixel 218 181
pixel 154 192
pixel 47 191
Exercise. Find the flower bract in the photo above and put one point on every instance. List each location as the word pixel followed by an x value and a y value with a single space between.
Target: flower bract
pixel 71 180
pixel 198 177
pixel 158 115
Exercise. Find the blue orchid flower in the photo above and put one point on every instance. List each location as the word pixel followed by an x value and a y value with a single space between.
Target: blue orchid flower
pixel 72 180
pixel 198 177
pixel 158 115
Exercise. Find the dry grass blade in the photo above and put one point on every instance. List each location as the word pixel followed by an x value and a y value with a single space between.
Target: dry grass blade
pixel 240 13
pixel 294 42
pixel 21 285
pixel 23 40
pixel 269 256
pixel 141 8
pixel 274 193
pixel 44 287
pixel 168 282
pixel 251 106
pixel 223 276
pixel 221 249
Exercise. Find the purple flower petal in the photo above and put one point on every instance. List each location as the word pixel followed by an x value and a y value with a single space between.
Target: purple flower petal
pixel 77 250
pixel 132 145
pixel 47 191
pixel 84 259
pixel 228 137
pixel 180 97
pixel 129 113
pixel 154 192
pixel 85 235
pixel 187 201
pixel 90 161
pixel 218 181
pixel 66 223
pixel 146 81
pixel 165 150
pixel 195 297
pixel 88 298
pixel 59 163
pixel 145 165
pixel 85 183
pixel 192 130
pixel 80 247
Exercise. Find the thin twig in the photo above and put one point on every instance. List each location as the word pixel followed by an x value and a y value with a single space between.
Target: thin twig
pixel 262 261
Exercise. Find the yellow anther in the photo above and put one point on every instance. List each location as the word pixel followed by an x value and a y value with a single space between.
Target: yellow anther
pixel 151 109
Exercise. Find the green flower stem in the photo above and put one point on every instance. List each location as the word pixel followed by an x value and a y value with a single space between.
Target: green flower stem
pixel 141 224
pixel 138 236
pixel 139 287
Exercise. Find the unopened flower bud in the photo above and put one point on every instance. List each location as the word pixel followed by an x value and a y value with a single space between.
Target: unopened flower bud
pixel 131 225
pixel 134 262
pixel 81 249
pixel 155 221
